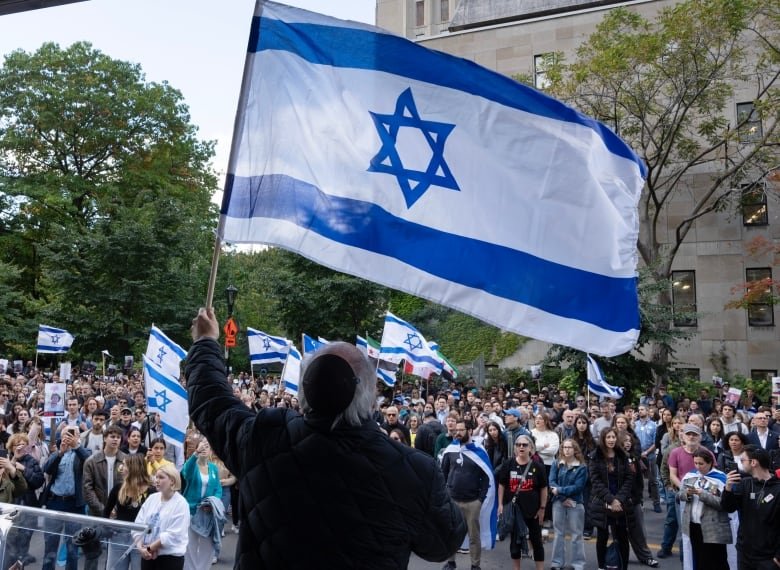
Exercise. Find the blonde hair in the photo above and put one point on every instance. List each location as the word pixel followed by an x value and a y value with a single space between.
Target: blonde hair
pixel 137 480
pixel 14 440
pixel 173 474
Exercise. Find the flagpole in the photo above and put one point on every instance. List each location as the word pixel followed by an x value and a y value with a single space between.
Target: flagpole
pixel 233 158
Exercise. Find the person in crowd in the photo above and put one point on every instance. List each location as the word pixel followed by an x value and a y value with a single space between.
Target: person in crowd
pixel 155 457
pixel 445 439
pixel 547 444
pixel 35 434
pixel 704 521
pixel 92 439
pixel 495 445
pixel 123 503
pixel 612 483
pixel 584 438
pixel 761 435
pixel 133 444
pixel 604 420
pixel 568 478
pixel 64 492
pixel 88 409
pixel 414 425
pixel 227 481
pixel 469 479
pixel 427 434
pixel 28 467
pixel 397 434
pixel 345 452
pixel 200 478
pixel 20 418
pixel 714 428
pixel 730 420
pixel 522 485
pixel 168 515
pixel 102 471
pixel 731 458
pixel 392 420
pixel 636 533
pixel 73 417
pixel 566 428
pixel 758 539
pixel 671 440
pixel 645 429
pixel 514 425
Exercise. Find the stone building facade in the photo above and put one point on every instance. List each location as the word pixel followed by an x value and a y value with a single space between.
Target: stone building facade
pixel 511 37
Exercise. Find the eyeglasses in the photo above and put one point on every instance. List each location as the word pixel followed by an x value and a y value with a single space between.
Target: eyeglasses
pixel 567 447
pixel 391 415
pixel 521 445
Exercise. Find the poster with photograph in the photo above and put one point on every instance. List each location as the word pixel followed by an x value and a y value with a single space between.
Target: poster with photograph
pixel 18 366
pixel 128 362
pixel 65 371
pixel 3 365
pixel 717 381
pixel 733 396
pixel 54 404
pixel 776 386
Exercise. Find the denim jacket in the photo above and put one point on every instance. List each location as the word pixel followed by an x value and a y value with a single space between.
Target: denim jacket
pixel 570 481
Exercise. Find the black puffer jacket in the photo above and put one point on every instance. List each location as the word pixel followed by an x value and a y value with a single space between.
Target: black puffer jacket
pixel 315 498
pixel 600 494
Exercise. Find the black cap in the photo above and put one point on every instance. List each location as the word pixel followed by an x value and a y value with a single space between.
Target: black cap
pixel 329 384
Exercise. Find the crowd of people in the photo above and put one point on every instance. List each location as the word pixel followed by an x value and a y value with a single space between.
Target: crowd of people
pixel 558 465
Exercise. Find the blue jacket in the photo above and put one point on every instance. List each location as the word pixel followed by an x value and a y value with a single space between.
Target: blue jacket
pixel 52 464
pixel 207 520
pixel 570 481
pixel 191 492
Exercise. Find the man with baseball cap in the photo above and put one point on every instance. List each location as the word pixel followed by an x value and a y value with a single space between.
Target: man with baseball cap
pixel 323 476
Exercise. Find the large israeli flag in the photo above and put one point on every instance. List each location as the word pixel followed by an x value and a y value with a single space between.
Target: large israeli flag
pixel 52 340
pixel 430 174
pixel 598 385
pixel 165 354
pixel 167 397
pixel 264 348
pixel 401 341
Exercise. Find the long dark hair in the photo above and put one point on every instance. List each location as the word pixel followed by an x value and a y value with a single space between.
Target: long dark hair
pixel 584 439
pixel 602 446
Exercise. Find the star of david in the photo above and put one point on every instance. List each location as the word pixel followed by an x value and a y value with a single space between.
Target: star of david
pixel 161 394
pixel 413 183
pixel 266 344
pixel 161 354
pixel 55 338
pixel 413 341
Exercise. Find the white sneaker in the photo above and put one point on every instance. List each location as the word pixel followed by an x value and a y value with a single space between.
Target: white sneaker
pixel 214 560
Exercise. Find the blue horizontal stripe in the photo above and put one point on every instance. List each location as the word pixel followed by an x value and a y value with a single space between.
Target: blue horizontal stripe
pixel 261 334
pixel 165 381
pixel 180 352
pixel 600 390
pixel 361 49
pixel 607 302
pixel 172 433
pixel 268 356
pixel 290 385
pixel 42 348
pixel 411 356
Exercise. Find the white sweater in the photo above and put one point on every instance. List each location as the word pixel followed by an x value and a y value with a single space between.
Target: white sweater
pixel 170 522
pixel 553 442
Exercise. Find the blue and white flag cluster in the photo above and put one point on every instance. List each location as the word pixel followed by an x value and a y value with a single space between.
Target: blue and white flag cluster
pixel 598 385
pixel 430 174
pixel 52 340
pixel 164 394
pixel 266 349
pixel 310 344
pixel 401 341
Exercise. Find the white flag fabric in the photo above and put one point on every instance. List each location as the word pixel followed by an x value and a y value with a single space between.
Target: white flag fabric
pixel 401 341
pixel 387 376
pixel 52 340
pixel 368 346
pixel 291 375
pixel 598 385
pixel 167 397
pixel 165 354
pixel 264 348
pixel 430 174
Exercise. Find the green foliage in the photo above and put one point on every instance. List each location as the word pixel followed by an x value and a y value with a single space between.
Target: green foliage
pixel 106 195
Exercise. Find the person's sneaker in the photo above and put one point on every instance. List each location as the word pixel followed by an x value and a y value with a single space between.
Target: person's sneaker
pixel 652 562
pixel 545 534
pixel 235 529
pixel 214 560
pixel 463 551
pixel 587 535
pixel 475 567
pixel 657 507
pixel 448 565
pixel 664 553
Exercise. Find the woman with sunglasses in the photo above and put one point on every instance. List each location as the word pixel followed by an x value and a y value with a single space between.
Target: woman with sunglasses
pixel 522 485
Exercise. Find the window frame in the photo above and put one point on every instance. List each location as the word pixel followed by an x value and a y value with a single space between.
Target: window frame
pixel 679 305
pixel 754 121
pixel 751 276
pixel 751 209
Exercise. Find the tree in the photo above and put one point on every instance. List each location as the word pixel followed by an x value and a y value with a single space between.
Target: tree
pixel 664 86
pixel 106 193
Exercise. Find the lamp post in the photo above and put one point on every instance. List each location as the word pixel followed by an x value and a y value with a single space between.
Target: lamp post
pixel 231 328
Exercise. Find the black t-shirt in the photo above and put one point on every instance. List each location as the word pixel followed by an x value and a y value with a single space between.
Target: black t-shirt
pixel 528 492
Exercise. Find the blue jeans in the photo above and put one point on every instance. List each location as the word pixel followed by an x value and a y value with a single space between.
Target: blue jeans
pixel 56 529
pixel 571 520
pixel 671 526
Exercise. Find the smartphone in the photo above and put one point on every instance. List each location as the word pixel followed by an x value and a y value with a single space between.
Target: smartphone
pixel 3 453
pixel 731 466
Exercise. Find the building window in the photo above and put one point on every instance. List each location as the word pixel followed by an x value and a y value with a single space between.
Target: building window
pixel 420 13
pixel 754 207
pixel 762 375
pixel 684 298
pixel 542 64
pixel 444 11
pixel 749 123
pixel 759 292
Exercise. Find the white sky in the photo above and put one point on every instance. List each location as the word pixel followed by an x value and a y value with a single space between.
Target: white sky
pixel 198 46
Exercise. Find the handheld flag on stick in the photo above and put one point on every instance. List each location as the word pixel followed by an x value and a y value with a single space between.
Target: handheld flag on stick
pixel 264 348
pixel 598 385
pixel 310 344
pixel 52 340
pixel 374 136
pixel 167 397
pixel 165 354
pixel 291 374
pixel 401 341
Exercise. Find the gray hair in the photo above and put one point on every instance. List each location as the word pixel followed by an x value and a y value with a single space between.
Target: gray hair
pixel 363 402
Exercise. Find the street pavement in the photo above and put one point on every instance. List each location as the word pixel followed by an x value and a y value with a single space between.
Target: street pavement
pixel 498 558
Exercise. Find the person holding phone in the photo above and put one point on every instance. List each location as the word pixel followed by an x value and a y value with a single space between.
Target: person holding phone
pixel 64 492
